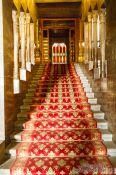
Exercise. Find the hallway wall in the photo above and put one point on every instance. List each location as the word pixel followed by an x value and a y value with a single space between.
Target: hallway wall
pixel 109 100
pixel 12 101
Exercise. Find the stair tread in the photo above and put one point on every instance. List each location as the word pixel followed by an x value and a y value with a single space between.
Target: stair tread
pixel 5 167
pixel 110 145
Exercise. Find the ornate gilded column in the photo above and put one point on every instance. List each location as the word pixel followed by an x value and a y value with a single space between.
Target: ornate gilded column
pixel 16 80
pixel 86 56
pixel 95 17
pixel 102 39
pixel 90 38
pixel 28 56
pixel 23 44
pixel 32 42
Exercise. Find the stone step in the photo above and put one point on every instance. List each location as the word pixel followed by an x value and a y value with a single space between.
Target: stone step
pixel 99 115
pixel 86 86
pixel 84 81
pixel 95 107
pixel 32 85
pixel 90 94
pixel 113 161
pixel 28 101
pixel 12 148
pixel 106 136
pixel 5 167
pixel 102 124
pixel 82 76
pixel 92 100
pixel 111 148
pixel 30 94
pixel 86 89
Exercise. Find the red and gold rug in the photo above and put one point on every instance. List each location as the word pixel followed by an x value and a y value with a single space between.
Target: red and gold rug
pixel 60 135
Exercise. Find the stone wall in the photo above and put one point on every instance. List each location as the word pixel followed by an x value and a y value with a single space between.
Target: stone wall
pixel 108 99
pixel 12 102
pixel 110 96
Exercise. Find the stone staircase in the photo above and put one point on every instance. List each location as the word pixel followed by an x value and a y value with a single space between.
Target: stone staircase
pixel 22 116
pixel 102 124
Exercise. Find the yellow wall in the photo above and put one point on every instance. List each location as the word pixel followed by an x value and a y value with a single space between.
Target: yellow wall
pixel 27 3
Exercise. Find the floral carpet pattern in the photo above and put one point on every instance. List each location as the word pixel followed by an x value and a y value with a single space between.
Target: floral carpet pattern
pixel 60 135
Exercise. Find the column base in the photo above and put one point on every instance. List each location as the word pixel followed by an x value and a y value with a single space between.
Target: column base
pixel 28 66
pixel 90 65
pixel 104 84
pixel 86 61
pixel 33 62
pixel 16 86
pixel 96 73
pixel 23 74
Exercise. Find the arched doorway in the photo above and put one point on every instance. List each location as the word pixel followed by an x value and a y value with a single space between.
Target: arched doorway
pixel 59 53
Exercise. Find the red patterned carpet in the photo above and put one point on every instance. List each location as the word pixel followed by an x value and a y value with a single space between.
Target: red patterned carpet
pixel 60 135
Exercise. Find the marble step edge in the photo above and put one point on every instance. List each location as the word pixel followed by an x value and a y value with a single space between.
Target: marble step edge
pixel 5 167
pixel 111 148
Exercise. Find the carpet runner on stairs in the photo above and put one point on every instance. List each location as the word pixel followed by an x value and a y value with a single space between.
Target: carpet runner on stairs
pixel 60 135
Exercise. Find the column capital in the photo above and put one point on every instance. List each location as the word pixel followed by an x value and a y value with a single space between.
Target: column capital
pixel 102 16
pixel 95 16
pixel 15 16
pixel 28 17
pixel 89 17
pixel 22 18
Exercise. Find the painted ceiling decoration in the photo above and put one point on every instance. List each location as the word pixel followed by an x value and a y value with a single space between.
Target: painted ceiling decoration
pixel 33 9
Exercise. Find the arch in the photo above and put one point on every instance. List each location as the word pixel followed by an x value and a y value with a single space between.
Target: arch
pixel 59 53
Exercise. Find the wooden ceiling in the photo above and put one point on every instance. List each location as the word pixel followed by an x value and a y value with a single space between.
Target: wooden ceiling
pixel 59 9
pixel 55 1
pixel 58 24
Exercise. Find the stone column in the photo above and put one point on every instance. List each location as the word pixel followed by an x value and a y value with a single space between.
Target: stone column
pixel 86 56
pixel 95 16
pixel 80 58
pixel 90 39
pixel 102 40
pixel 28 57
pixel 23 46
pixel 32 43
pixel 16 80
